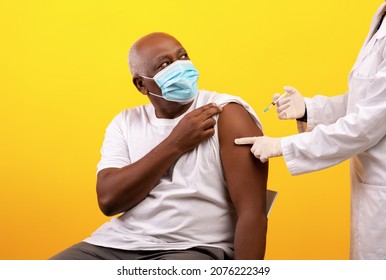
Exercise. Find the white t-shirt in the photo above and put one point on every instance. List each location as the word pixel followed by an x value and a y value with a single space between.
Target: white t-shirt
pixel 190 205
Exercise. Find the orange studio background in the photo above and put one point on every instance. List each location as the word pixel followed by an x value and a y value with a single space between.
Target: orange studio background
pixel 64 76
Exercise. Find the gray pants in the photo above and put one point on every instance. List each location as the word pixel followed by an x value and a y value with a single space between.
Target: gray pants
pixel 86 251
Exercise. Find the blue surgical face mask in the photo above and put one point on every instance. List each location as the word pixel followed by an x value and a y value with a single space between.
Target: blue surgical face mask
pixel 178 82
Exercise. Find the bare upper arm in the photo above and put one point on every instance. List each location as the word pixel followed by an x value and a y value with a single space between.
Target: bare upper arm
pixel 105 172
pixel 245 175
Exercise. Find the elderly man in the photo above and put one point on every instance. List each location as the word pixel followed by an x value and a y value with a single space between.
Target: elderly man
pixel 184 189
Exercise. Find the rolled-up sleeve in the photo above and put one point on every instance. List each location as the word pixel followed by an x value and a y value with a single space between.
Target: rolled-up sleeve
pixel 114 151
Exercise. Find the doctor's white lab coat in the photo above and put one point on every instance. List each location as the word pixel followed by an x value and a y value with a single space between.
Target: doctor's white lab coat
pixel 353 125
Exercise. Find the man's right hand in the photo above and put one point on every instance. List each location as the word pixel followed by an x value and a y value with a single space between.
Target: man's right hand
pixel 195 127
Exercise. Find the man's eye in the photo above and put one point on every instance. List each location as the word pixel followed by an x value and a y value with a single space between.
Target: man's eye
pixel 184 56
pixel 164 64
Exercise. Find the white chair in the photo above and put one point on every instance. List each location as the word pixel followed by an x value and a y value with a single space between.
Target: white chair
pixel 271 196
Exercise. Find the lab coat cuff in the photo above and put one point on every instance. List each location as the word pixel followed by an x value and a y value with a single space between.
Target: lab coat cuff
pixel 311 117
pixel 288 154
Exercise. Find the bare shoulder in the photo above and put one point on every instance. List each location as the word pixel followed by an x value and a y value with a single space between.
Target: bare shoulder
pixel 235 121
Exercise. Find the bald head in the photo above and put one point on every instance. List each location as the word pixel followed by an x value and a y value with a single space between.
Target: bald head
pixel 146 50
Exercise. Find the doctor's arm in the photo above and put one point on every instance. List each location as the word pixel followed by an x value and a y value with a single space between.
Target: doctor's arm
pixel 328 145
pixel 321 110
pixel 325 110
pixel 352 134
pixel 246 179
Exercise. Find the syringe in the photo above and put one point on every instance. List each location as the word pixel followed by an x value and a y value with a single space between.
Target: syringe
pixel 274 102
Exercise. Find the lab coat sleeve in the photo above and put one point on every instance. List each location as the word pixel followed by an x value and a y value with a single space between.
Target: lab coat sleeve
pixel 325 110
pixel 327 145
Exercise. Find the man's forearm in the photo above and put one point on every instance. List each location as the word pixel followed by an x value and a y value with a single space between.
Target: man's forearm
pixel 120 189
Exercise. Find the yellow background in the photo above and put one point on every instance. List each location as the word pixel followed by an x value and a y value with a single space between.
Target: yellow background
pixel 64 76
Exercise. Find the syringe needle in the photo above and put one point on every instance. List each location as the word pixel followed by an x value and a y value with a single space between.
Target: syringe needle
pixel 274 102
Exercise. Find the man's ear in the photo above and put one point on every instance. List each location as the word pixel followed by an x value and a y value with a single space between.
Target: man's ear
pixel 138 83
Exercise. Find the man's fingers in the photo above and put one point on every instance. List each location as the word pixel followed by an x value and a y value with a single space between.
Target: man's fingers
pixel 208 110
pixel 209 123
pixel 245 141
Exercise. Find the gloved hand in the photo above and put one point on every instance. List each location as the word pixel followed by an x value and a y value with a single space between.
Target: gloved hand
pixel 263 147
pixel 292 106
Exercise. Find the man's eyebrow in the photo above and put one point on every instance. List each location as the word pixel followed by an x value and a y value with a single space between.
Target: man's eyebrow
pixel 160 58
pixel 181 50
pixel 166 56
